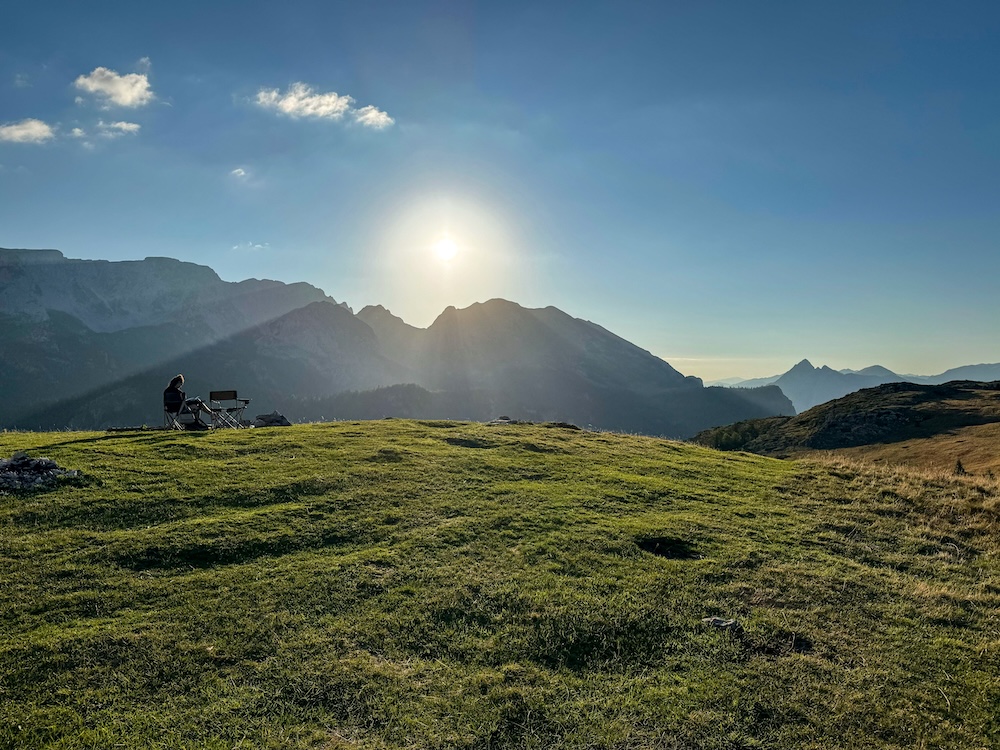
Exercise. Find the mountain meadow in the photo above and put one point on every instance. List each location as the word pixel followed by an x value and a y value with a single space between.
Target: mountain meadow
pixel 439 584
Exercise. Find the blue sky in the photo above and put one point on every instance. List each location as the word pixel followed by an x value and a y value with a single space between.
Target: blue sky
pixel 733 186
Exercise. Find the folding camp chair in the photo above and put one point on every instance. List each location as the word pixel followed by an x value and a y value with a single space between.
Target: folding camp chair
pixel 227 409
pixel 182 417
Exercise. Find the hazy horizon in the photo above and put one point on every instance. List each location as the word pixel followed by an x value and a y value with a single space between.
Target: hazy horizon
pixel 732 188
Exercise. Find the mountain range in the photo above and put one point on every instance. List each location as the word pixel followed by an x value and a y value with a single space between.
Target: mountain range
pixel 807 386
pixel 91 344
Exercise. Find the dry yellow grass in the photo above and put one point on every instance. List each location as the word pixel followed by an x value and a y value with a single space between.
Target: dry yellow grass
pixel 977 447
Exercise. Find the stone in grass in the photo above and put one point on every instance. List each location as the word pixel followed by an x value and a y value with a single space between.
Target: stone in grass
pixel 274 419
pixel 721 623
pixel 21 472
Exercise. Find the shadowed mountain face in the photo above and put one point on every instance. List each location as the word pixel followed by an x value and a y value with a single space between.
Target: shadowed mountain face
pixel 70 327
pixel 542 364
pixel 889 413
pixel 499 344
pixel 92 344
pixel 317 350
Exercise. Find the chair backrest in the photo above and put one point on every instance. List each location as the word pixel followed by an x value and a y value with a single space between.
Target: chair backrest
pixel 222 396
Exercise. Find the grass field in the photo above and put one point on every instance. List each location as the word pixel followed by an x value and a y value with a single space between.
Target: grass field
pixel 402 584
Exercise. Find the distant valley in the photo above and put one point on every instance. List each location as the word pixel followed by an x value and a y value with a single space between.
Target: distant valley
pixel 91 344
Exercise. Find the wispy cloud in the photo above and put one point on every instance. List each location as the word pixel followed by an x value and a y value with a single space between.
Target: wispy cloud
pixel 117 129
pixel 252 246
pixel 27 131
pixel 129 90
pixel 77 133
pixel 22 81
pixel 239 173
pixel 372 117
pixel 144 65
pixel 301 100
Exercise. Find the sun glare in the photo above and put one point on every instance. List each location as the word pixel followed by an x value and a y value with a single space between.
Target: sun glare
pixel 445 248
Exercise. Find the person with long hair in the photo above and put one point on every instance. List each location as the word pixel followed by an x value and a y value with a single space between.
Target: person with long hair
pixel 174 399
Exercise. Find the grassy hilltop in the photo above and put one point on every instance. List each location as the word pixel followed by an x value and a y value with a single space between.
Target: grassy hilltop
pixel 402 584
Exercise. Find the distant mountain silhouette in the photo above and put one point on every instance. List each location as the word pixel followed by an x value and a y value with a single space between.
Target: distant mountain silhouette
pixel 807 386
pixel 982 373
pixel 888 413
pixel 92 344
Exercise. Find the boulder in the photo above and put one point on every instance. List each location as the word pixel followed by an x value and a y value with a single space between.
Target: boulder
pixel 274 419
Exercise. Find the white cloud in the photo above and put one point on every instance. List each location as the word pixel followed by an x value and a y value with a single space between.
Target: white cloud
pixel 26 131
pixel 144 65
pixel 300 101
pixel 239 172
pixel 252 246
pixel 371 117
pixel 129 90
pixel 117 129
pixel 77 133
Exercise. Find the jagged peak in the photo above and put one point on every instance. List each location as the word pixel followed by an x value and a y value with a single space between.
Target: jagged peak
pixel 380 314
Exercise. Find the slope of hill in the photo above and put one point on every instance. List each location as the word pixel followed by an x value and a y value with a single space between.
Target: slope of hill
pixel 890 413
pixel 404 584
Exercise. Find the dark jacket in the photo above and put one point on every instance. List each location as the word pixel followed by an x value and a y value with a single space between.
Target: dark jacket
pixel 173 399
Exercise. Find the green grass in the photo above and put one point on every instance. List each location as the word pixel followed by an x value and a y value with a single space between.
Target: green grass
pixel 401 584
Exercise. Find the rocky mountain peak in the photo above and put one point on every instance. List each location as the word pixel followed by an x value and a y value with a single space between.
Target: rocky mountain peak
pixel 802 367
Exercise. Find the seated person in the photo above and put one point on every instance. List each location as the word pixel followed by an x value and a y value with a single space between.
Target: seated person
pixel 175 402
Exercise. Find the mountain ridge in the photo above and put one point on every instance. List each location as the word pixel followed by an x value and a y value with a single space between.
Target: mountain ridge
pixel 292 344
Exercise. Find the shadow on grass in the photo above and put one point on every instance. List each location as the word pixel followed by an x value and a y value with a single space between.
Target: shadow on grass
pixel 667 546
pixel 223 551
pixel 469 443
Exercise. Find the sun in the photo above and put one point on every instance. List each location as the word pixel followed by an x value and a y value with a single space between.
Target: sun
pixel 445 248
